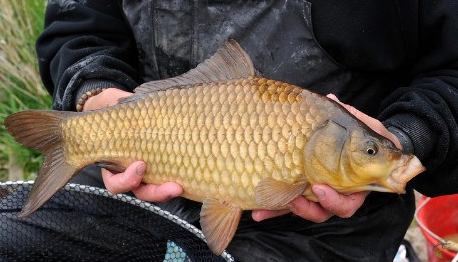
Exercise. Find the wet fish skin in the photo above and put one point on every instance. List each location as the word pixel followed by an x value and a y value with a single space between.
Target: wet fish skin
pixel 216 139
pixel 233 140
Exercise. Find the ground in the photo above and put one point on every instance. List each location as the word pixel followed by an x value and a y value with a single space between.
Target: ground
pixel 416 238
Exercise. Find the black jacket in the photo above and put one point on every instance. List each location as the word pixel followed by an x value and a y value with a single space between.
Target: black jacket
pixel 398 59
pixel 395 60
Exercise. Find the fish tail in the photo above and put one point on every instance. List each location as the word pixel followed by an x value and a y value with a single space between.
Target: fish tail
pixel 42 131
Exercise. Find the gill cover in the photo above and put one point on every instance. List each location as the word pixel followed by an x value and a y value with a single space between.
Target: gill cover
pixel 324 152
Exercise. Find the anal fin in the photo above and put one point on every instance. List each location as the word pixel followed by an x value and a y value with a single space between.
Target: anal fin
pixel 274 194
pixel 219 221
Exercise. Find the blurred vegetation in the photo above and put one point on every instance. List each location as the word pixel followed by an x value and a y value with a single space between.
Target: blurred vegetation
pixel 21 21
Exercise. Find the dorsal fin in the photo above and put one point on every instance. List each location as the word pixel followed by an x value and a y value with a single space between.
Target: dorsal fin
pixel 229 62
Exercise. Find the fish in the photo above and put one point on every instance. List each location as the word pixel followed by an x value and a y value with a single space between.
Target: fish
pixel 233 139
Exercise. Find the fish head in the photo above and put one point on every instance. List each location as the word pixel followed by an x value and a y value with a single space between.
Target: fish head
pixel 357 159
pixel 373 162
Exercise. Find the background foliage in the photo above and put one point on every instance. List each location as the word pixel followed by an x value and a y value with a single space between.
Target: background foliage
pixel 21 21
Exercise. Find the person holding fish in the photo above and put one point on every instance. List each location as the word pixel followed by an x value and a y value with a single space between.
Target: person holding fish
pixel 308 178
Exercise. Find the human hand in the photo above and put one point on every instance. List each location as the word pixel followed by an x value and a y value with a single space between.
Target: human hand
pixel 373 123
pixel 330 202
pixel 106 98
pixel 131 178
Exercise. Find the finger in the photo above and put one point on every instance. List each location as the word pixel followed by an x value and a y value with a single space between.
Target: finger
pixel 338 204
pixel 261 214
pixel 157 193
pixel 358 114
pixel 371 122
pixel 333 97
pixel 309 210
pixel 126 181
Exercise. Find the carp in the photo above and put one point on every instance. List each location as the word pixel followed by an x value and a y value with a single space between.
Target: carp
pixel 231 138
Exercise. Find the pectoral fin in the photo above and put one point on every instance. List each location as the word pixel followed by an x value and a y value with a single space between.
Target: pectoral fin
pixel 219 221
pixel 273 194
pixel 111 166
pixel 309 195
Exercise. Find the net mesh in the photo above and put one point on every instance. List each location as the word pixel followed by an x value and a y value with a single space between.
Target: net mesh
pixel 83 223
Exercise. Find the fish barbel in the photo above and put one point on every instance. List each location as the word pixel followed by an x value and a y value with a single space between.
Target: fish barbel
pixel 231 138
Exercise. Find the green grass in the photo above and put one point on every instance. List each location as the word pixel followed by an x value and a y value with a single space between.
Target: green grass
pixel 21 21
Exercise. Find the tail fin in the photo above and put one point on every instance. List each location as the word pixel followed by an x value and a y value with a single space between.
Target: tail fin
pixel 41 130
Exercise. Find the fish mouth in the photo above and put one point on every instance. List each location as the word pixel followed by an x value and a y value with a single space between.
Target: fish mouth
pixel 399 177
pixel 408 167
pixel 378 187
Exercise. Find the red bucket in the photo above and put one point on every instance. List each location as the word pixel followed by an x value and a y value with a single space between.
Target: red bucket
pixel 439 215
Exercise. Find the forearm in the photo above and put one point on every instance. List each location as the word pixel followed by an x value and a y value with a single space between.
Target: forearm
pixel 427 112
pixel 426 108
pixel 83 47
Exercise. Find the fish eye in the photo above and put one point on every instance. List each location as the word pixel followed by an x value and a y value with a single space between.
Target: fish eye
pixel 372 149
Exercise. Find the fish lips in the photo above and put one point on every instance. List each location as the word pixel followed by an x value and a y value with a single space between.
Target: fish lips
pixel 397 180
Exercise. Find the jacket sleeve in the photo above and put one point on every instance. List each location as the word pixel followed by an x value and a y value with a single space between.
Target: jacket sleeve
pixel 85 45
pixel 426 109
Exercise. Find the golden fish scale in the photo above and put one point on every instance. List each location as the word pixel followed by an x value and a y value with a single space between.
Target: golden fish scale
pixel 217 139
